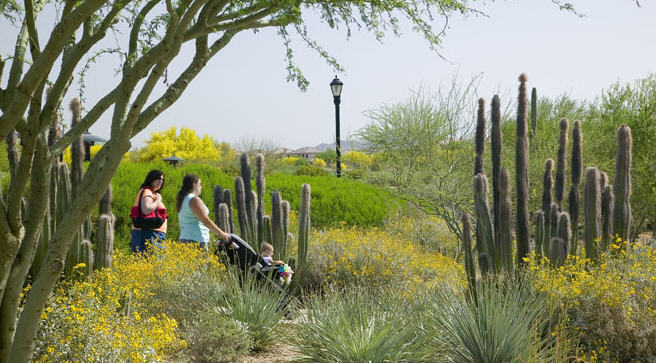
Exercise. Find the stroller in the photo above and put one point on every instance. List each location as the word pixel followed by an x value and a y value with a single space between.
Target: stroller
pixel 238 252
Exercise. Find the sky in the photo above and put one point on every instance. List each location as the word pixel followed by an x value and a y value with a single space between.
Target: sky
pixel 242 94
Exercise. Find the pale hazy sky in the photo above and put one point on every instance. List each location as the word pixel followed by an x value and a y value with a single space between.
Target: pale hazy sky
pixel 242 93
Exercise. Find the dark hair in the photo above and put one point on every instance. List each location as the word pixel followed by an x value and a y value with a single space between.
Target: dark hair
pixel 151 177
pixel 187 186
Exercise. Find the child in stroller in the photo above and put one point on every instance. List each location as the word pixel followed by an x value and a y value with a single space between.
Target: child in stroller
pixel 284 271
pixel 241 254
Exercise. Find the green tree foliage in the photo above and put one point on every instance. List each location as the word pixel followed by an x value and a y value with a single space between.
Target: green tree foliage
pixel 328 156
pixel 184 144
pixel 425 151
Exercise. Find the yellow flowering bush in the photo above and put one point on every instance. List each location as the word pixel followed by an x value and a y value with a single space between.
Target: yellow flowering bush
pixel 289 160
pixel 377 258
pixel 611 304
pixel 115 315
pixel 319 162
pixel 429 232
pixel 357 159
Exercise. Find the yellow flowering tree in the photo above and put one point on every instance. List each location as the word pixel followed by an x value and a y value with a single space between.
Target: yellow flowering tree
pixel 357 159
pixel 184 144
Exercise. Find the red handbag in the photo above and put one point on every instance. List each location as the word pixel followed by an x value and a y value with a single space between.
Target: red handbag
pixel 153 220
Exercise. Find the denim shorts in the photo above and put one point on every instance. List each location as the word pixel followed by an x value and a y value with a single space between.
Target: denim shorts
pixel 201 245
pixel 140 236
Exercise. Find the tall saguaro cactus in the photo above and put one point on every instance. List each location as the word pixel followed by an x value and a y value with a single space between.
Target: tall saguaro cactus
pixel 470 268
pixel 574 196
pixel 484 229
pixel 547 189
pixel 540 233
pixel 217 199
pixel 248 195
pixel 534 112
pixel 561 163
pixel 285 226
pixel 223 217
pixel 260 184
pixel 480 138
pixel 303 233
pixel 242 214
pixel 607 205
pixel 227 199
pixel 504 216
pixel 105 232
pixel 496 144
pixel 521 174
pixel 592 212
pixel 276 223
pixel 77 148
pixel 622 218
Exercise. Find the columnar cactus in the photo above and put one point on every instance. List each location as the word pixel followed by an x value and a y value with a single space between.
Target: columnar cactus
pixel 223 217
pixel 504 234
pixel 470 268
pixel 547 189
pixel 246 177
pixel 285 225
pixel 303 233
pixel 253 216
pixel 276 223
pixel 592 212
pixel 622 218
pixel 534 111
pixel 561 163
pixel 480 138
pixel 266 229
pixel 496 144
pixel 603 179
pixel 260 184
pixel 540 233
pixel 86 257
pixel 242 214
pixel 576 174
pixel 607 205
pixel 217 199
pixel 557 251
pixel 564 229
pixel 77 149
pixel 484 229
pixel 521 174
pixel 227 199
pixel 105 244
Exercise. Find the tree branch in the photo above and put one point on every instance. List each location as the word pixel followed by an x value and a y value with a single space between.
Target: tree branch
pixel 30 20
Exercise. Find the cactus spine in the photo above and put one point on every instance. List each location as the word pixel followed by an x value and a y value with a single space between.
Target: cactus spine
pixel 484 229
pixel 222 220
pixel 470 268
pixel 521 175
pixel 303 233
pixel 495 141
pixel 276 223
pixel 242 215
pixel 227 199
pixel 260 185
pixel 561 163
pixel 504 241
pixel 592 212
pixel 622 186
pixel 607 205
pixel 480 138
pixel 574 196
pixel 534 111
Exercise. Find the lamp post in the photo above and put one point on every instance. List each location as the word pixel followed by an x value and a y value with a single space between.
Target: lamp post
pixel 336 88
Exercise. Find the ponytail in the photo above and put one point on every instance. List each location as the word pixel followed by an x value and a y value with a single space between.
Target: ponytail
pixel 187 186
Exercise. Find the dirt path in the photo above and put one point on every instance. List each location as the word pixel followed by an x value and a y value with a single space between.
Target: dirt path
pixel 278 353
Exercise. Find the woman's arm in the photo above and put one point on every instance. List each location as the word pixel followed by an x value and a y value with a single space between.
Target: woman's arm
pixel 149 201
pixel 197 207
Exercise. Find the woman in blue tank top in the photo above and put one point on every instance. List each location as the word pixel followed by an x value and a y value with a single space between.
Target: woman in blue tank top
pixel 193 214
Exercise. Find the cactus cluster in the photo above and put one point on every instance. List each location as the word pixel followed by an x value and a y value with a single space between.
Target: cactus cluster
pixel 255 225
pixel 606 208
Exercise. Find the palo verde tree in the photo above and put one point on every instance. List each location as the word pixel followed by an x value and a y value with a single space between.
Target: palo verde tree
pixel 150 34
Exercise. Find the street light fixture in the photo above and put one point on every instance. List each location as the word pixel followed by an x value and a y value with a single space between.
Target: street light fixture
pixel 336 88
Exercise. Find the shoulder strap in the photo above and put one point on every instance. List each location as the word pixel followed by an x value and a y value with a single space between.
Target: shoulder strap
pixel 139 204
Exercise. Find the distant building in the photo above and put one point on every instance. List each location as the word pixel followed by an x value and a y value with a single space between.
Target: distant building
pixel 307 152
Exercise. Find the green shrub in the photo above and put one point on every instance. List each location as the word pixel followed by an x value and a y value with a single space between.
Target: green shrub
pixel 215 337
pixel 329 156
pixel 311 170
pixel 359 325
pixel 301 161
pixel 354 174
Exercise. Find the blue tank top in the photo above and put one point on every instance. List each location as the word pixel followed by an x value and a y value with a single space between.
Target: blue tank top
pixel 190 227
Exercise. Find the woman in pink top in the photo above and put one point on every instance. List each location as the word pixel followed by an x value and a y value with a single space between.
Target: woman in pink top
pixel 151 200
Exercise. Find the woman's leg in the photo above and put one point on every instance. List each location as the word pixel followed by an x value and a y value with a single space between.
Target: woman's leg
pixel 138 241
